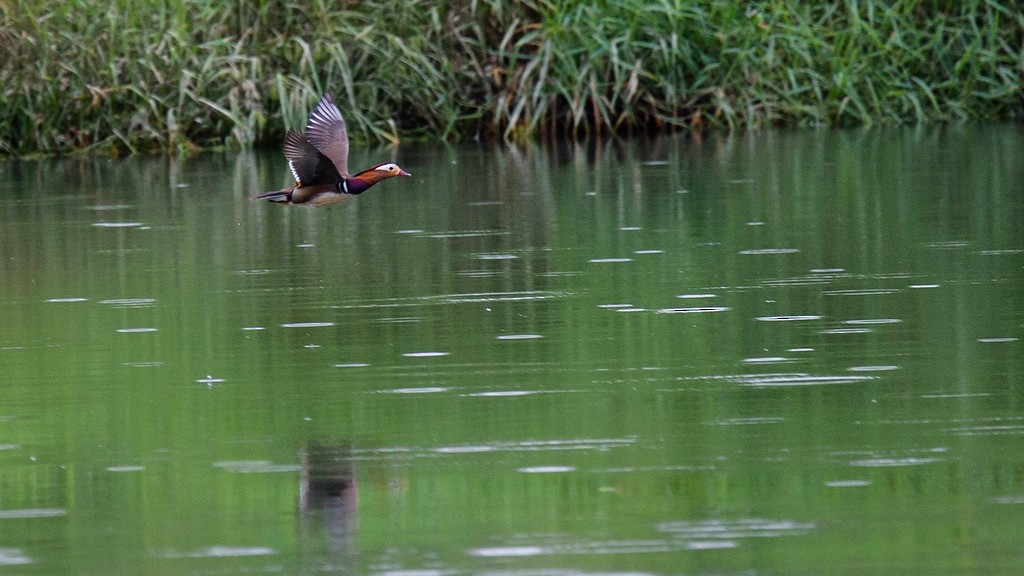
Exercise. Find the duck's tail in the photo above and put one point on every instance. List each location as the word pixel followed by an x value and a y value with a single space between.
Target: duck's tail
pixel 279 196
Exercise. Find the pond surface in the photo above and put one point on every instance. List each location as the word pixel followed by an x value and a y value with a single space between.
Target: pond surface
pixel 782 353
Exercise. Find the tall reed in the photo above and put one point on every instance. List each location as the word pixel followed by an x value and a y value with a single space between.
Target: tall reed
pixel 129 75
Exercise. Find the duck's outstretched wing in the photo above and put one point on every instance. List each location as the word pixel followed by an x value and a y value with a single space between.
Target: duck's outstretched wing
pixel 325 130
pixel 307 164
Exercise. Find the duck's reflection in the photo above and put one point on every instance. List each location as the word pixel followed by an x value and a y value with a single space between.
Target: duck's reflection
pixel 328 495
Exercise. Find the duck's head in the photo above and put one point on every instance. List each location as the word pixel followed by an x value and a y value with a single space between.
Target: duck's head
pixel 360 182
pixel 386 170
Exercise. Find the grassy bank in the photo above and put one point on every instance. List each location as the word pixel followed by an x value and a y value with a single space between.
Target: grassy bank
pixel 135 75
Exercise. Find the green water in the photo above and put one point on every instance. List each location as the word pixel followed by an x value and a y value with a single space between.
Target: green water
pixel 783 353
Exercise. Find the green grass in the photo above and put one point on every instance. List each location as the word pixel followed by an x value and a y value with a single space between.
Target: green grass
pixel 139 75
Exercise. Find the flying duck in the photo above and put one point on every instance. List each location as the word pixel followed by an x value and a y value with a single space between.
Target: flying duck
pixel 319 161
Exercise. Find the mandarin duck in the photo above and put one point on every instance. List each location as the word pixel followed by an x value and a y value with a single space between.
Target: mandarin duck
pixel 319 161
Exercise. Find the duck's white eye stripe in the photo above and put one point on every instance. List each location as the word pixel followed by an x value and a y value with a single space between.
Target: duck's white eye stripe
pixel 386 167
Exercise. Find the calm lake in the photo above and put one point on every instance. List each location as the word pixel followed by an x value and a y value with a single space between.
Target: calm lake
pixel 778 353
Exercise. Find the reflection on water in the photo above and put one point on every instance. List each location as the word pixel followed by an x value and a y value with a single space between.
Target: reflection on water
pixel 730 355
pixel 329 495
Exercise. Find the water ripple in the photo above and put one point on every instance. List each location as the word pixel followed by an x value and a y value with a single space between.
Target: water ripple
pixel 874 321
pixel 400 320
pixel 599 444
pixel 546 469
pixel 990 430
pixel 862 292
pixel 791 282
pixel 255 467
pixel 768 360
pixel 693 310
pixel 423 390
pixel 736 529
pixel 504 393
pixel 889 462
pixel 496 256
pixel 117 224
pixel 129 302
pixel 463 449
pixel 759 251
pixel 461 298
pixel 13 557
pixel 611 547
pixel 1001 252
pixel 948 245
pixel 144 364
pixel 125 468
pixel 847 483
pixel 752 421
pixel 466 233
pixel 217 552
pixel 307 324
pixel 32 513
pixel 767 380
pixel 508 551
pixel 957 395
pixel 873 368
pixel 105 207
pixel 259 272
